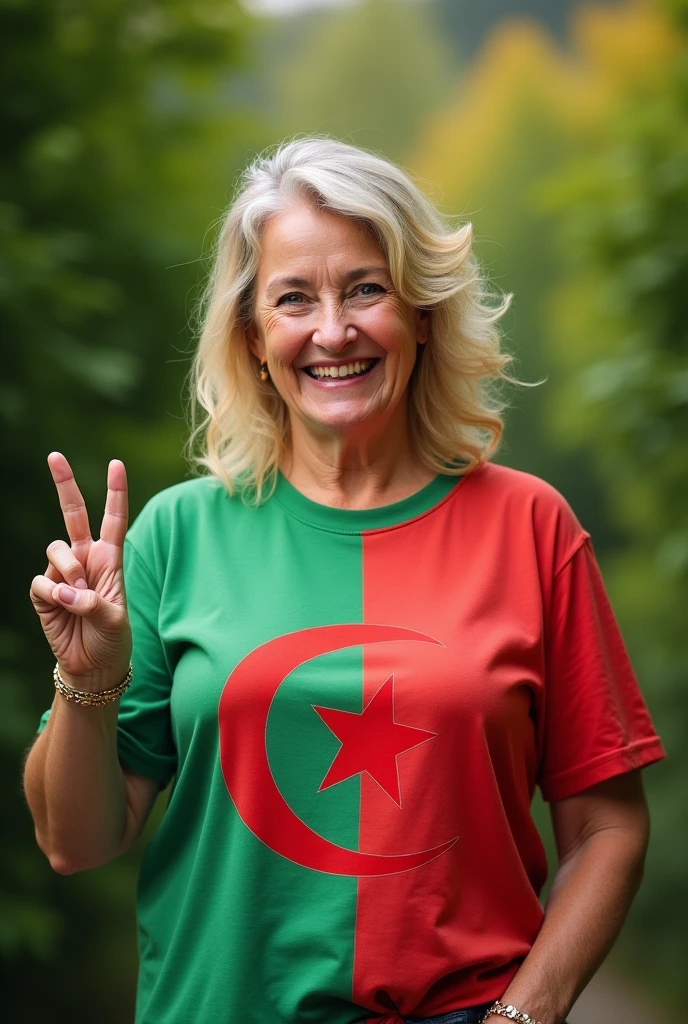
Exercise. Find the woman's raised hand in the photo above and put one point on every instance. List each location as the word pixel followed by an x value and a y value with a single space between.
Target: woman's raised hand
pixel 80 599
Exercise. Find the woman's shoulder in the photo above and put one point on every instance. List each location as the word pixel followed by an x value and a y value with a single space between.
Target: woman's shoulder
pixel 188 494
pixel 183 504
pixel 524 504
pixel 517 484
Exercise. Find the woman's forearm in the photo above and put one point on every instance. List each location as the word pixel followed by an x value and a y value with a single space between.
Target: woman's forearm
pixel 75 787
pixel 590 898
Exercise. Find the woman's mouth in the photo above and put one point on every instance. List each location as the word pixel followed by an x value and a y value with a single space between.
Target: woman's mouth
pixel 356 368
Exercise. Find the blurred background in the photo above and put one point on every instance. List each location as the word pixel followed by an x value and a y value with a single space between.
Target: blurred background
pixel 559 129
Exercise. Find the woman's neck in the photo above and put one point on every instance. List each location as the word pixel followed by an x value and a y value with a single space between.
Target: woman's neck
pixel 354 472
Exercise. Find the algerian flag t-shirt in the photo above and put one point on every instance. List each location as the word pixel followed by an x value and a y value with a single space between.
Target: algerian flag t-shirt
pixel 353 709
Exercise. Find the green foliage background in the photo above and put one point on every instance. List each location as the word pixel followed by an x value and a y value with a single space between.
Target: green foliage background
pixel 626 396
pixel 124 127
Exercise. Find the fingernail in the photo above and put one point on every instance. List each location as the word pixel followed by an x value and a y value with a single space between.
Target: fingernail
pixel 67 594
pixel 81 584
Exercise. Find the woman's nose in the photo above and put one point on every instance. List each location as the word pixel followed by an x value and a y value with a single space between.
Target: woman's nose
pixel 332 332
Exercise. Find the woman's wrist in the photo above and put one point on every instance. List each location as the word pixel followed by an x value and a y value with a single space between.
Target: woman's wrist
pixel 537 1007
pixel 97 680
pixel 98 696
pixel 503 1009
pixel 532 995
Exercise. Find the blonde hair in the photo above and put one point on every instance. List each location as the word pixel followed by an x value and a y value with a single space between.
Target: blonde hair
pixel 243 430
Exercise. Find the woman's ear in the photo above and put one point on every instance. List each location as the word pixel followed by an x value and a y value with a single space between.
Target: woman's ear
pixel 422 325
pixel 254 341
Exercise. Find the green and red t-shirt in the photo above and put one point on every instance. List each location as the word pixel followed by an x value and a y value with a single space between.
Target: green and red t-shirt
pixel 354 709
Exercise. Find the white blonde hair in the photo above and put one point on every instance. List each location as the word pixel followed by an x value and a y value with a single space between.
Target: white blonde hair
pixel 240 424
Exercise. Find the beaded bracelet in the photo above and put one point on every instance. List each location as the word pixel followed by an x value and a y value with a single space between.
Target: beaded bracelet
pixel 98 699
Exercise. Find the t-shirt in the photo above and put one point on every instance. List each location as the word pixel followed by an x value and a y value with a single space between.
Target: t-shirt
pixel 354 709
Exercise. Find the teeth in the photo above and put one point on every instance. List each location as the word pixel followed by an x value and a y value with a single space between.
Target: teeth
pixel 346 370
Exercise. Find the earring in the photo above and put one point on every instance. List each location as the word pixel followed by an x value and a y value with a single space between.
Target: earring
pixel 264 375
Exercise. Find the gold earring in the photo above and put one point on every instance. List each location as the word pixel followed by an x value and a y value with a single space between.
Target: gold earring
pixel 264 375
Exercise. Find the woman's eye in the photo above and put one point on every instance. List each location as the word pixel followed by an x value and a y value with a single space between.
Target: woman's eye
pixel 365 290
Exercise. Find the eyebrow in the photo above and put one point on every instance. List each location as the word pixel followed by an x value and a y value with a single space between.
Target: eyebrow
pixel 304 282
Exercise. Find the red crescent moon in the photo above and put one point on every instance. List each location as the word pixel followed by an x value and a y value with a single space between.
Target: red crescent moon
pixel 244 759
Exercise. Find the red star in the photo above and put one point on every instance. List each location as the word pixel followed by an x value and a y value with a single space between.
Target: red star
pixel 371 741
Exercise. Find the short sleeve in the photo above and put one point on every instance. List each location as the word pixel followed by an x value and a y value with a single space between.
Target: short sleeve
pixel 144 732
pixel 595 723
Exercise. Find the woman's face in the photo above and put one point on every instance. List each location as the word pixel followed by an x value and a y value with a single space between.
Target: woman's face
pixel 340 342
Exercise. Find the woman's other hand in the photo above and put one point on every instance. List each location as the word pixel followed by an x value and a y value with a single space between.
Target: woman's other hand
pixel 80 599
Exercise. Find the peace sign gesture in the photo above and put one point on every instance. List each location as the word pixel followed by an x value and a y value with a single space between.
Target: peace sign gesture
pixel 80 599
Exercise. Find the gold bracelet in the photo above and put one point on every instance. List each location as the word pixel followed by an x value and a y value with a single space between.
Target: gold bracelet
pixel 98 699
pixel 507 1010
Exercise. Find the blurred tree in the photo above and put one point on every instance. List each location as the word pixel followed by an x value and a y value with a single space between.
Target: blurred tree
pixel 468 24
pixel 368 73
pixel 117 152
pixel 524 110
pixel 619 327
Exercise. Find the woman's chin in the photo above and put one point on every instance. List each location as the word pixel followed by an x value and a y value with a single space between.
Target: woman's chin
pixel 337 418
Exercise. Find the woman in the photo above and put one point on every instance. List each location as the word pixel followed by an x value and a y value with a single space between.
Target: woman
pixel 358 646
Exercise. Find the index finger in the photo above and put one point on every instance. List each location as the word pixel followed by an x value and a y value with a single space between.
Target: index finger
pixel 71 501
pixel 114 526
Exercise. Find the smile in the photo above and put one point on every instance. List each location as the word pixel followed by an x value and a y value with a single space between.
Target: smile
pixel 356 368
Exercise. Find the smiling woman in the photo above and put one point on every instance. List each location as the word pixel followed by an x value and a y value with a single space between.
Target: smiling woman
pixel 357 646
pixel 348 314
pixel 331 256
